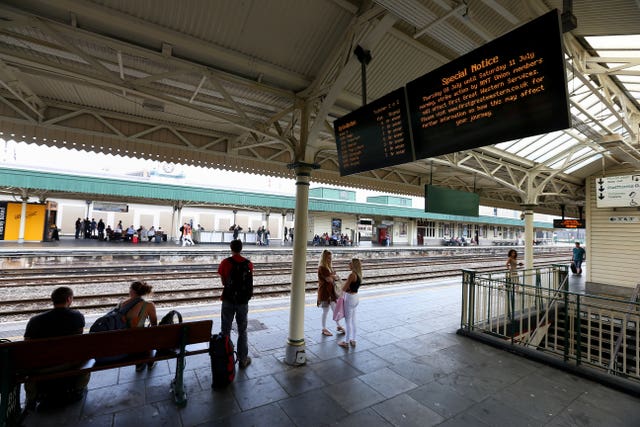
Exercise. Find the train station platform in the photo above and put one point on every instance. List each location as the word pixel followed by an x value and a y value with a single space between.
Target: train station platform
pixel 409 368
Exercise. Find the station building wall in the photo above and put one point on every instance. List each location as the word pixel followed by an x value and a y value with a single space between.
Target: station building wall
pixel 612 246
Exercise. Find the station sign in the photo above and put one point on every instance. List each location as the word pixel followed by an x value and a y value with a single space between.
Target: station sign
pixel 621 191
pixel 624 219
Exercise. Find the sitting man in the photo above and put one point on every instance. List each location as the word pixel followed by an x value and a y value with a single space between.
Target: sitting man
pixel 58 322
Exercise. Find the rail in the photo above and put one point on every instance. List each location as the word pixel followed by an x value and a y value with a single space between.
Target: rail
pixel 535 311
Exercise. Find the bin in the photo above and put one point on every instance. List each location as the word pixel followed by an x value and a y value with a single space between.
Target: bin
pixel 158 238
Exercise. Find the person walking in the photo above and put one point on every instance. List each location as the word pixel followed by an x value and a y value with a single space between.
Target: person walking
pixel 327 297
pixel 142 313
pixel 235 300
pixel 577 257
pixel 351 300
pixel 186 235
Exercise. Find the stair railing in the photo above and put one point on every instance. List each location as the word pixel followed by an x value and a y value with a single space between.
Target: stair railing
pixel 538 334
pixel 635 297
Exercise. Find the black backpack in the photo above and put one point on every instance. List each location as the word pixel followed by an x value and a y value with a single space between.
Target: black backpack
pixel 167 319
pixel 239 288
pixel 115 319
pixel 171 318
pixel 223 361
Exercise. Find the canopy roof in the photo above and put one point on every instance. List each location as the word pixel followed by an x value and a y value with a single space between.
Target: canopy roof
pixel 255 86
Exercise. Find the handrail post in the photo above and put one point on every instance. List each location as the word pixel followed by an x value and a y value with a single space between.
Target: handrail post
pixel 578 332
pixel 177 385
pixel 468 284
pixel 566 326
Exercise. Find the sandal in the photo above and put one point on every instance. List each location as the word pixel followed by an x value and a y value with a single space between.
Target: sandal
pixel 327 333
pixel 340 330
pixel 343 344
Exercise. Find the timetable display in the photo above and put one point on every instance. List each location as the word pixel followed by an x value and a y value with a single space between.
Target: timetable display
pixel 510 88
pixel 375 135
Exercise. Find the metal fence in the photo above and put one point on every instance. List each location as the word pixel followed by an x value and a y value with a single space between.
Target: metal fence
pixel 534 309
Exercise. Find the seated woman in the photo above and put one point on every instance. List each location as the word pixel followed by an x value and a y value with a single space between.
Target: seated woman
pixel 141 314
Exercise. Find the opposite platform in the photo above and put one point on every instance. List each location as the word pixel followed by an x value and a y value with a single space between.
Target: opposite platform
pixel 409 368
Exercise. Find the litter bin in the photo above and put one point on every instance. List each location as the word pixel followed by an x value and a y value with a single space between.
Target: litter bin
pixel 158 238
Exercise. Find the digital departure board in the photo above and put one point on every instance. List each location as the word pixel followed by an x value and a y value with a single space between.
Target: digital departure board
pixel 569 223
pixel 512 87
pixel 375 135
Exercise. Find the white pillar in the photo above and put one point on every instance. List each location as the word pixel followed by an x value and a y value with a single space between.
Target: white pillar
pixel 23 219
pixel 295 351
pixel 529 236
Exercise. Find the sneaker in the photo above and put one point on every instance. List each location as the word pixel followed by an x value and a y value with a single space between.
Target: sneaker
pixel 244 363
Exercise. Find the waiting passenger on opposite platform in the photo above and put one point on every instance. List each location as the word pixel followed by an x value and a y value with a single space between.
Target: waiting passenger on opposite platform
pixel 351 301
pixel 151 233
pixel 78 227
pixel 187 235
pixel 100 229
pixel 130 232
pixel 60 321
pixel 327 297
pixel 87 228
pixel 117 231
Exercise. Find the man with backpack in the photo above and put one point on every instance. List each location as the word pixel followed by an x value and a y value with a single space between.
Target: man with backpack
pixel 236 273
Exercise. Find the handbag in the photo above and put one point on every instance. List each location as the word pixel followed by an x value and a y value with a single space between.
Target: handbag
pixel 338 290
pixel 338 312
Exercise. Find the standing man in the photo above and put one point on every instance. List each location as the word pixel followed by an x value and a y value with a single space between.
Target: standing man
pixel 78 227
pixel 579 255
pixel 236 274
pixel 100 229
pixel 58 322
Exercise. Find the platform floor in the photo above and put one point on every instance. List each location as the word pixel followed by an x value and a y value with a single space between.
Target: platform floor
pixel 409 368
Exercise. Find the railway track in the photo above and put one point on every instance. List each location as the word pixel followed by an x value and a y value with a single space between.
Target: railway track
pixel 24 292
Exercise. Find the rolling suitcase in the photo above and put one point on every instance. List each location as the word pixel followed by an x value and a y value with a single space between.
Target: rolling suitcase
pixel 574 270
pixel 223 361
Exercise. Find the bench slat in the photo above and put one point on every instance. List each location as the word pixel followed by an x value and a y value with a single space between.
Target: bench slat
pixel 40 353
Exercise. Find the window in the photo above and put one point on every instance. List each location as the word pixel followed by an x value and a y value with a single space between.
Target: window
pixel 430 229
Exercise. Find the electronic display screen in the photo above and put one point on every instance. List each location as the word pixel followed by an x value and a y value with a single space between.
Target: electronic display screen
pixel 375 135
pixel 569 223
pixel 510 88
pixel 450 202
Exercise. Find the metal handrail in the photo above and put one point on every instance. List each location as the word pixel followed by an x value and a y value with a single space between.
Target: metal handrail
pixel 574 327
pixel 614 358
pixel 552 304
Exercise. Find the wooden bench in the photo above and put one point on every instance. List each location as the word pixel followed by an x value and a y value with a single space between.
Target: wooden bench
pixel 21 359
